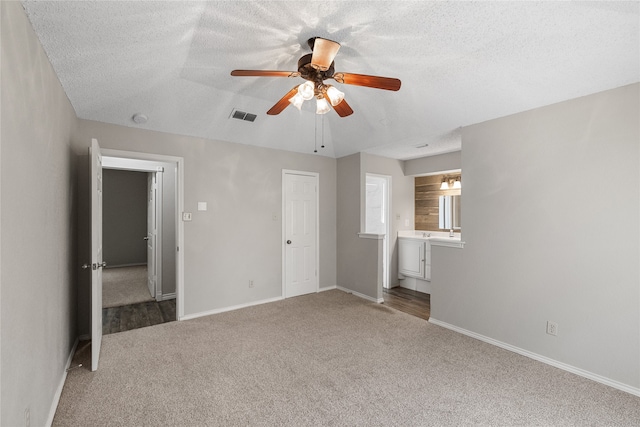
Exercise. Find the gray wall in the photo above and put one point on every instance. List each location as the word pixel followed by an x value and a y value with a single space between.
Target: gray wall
pixel 124 219
pixel 37 213
pixel 428 165
pixel 349 245
pixel 359 266
pixel 236 239
pixel 552 211
pixel 402 201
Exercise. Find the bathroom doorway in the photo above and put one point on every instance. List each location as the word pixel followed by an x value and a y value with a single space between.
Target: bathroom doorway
pixel 377 213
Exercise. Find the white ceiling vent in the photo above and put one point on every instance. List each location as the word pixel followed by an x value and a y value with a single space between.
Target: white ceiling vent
pixel 241 115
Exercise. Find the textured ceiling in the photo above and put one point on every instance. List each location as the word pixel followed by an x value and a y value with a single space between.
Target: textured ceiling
pixel 460 63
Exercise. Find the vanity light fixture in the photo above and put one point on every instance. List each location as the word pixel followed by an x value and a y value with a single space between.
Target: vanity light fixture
pixel 457 183
pixel 445 184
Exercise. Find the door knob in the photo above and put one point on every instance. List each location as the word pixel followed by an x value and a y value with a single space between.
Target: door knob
pixel 145 238
pixel 103 264
pixel 288 242
pixel 85 266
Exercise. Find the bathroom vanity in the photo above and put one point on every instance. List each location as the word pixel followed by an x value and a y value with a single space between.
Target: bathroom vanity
pixel 414 256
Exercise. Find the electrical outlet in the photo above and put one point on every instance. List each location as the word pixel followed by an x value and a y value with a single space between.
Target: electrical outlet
pixel 552 328
pixel 186 216
pixel 251 283
pixel 27 417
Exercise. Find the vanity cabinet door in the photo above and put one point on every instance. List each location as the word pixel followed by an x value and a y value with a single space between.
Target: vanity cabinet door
pixel 411 254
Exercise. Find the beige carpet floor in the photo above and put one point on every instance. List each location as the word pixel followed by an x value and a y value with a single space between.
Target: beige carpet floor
pixel 124 286
pixel 328 359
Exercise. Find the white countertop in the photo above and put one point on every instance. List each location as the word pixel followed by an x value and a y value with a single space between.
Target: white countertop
pixel 435 238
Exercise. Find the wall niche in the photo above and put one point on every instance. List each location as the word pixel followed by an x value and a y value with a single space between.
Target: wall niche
pixel 427 191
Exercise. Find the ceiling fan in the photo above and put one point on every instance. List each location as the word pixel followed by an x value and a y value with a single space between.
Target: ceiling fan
pixel 316 67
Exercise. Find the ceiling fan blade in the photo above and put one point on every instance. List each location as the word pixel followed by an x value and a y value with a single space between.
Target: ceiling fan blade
pixel 343 109
pixel 386 83
pixel 324 52
pixel 264 73
pixel 283 103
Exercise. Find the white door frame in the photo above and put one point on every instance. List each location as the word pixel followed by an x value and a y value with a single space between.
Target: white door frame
pixel 142 162
pixel 157 195
pixel 284 226
pixel 387 238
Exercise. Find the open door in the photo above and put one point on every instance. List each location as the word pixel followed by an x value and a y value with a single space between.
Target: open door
pixel 97 263
pixel 151 234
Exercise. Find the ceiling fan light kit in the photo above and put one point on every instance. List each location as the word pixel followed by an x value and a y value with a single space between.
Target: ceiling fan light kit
pixel 316 67
pixel 334 95
pixel 322 106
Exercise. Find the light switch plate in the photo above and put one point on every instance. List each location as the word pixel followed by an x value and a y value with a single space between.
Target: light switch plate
pixel 186 216
pixel 202 206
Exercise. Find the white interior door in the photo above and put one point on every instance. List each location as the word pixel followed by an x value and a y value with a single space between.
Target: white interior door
pixel 96 252
pixel 300 234
pixel 151 233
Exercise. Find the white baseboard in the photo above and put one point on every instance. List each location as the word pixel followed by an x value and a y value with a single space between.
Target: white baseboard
pixel 327 288
pixel 574 370
pixel 358 294
pixel 235 307
pixel 56 397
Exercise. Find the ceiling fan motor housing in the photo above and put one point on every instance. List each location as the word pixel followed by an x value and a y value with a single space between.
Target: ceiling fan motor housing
pixel 308 72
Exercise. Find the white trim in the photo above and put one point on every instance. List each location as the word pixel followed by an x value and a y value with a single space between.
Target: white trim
pixel 129 160
pixel 565 367
pixel 327 288
pixel 56 396
pixel 234 307
pixel 316 175
pixel 168 296
pixel 180 293
pixel 159 205
pixel 449 243
pixel 358 294
pixel 371 236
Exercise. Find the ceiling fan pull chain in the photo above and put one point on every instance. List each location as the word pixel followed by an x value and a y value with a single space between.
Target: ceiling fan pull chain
pixel 315 133
pixel 322 146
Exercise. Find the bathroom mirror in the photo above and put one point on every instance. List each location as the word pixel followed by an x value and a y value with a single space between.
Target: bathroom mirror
pixel 449 212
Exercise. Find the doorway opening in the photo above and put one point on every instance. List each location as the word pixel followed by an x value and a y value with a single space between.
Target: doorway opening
pixel 377 214
pixel 141 284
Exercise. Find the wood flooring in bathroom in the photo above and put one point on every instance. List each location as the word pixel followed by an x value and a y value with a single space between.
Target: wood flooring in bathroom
pixel 411 302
